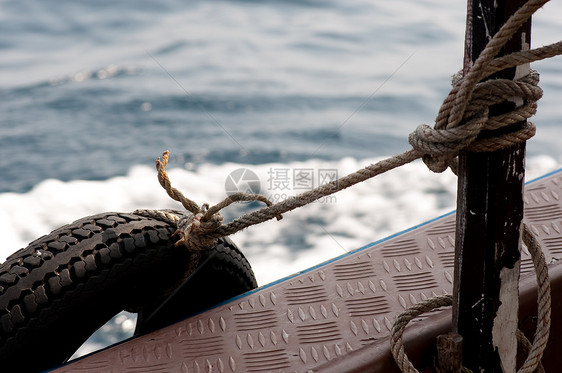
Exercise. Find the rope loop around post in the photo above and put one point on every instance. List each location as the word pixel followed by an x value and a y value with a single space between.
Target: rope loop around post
pixel 455 112
pixel 441 144
pixel 437 146
pixel 463 122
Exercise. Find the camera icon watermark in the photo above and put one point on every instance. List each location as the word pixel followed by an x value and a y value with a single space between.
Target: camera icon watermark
pixel 242 180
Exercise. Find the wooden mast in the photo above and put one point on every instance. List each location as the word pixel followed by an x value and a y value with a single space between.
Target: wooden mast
pixel 490 210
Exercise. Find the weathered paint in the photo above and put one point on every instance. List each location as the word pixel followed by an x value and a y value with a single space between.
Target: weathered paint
pixel 506 319
pixel 490 209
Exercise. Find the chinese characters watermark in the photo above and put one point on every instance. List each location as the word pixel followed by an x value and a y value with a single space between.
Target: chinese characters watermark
pixel 281 182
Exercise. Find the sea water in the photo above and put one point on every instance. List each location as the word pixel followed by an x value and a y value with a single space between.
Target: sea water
pixel 274 96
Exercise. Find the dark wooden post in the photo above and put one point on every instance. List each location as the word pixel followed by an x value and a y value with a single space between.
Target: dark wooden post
pixel 489 213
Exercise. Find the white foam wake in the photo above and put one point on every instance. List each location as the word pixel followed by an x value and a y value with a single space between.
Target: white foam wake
pixel 308 236
pixel 330 227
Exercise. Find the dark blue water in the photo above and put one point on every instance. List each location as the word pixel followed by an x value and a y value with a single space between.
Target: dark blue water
pixel 94 130
pixel 90 89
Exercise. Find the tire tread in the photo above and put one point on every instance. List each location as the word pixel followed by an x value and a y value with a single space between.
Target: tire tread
pixel 63 286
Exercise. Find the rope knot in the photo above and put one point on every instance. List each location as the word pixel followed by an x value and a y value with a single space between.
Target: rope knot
pixel 202 226
pixel 194 230
pixel 468 120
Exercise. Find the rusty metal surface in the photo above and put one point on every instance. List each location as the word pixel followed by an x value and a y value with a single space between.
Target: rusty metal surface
pixel 329 311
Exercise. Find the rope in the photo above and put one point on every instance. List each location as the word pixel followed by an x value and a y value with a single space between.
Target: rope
pixel 175 194
pixel 197 230
pixel 440 145
pixel 543 298
pixel 462 118
pixel 525 346
pixel 532 362
pixel 396 343
pixel 171 218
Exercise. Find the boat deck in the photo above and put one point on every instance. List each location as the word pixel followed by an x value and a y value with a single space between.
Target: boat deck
pixel 338 309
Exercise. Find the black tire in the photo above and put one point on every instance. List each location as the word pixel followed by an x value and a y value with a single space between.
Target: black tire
pixel 222 274
pixel 61 288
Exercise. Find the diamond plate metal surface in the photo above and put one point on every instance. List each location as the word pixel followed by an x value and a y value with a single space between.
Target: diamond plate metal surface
pixel 335 308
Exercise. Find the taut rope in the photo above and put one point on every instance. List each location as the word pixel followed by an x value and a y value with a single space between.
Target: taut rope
pixel 462 118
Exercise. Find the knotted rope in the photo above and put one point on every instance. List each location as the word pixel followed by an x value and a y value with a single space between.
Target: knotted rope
pixel 532 362
pixel 462 118
pixel 440 145
pixel 197 229
pixel 464 122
